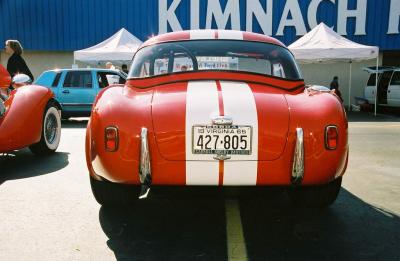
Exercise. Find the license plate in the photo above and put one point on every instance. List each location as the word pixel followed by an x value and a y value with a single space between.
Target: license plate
pixel 222 139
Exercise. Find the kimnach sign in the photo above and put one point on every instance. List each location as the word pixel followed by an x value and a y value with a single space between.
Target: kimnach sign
pixel 279 17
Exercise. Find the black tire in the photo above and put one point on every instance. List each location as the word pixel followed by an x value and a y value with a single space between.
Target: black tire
pixel 51 131
pixel 112 194
pixel 315 196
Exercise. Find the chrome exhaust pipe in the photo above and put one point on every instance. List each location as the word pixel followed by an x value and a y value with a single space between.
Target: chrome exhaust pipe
pixel 144 167
pixel 298 158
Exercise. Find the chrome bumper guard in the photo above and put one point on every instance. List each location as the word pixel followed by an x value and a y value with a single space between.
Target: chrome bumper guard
pixel 144 167
pixel 298 158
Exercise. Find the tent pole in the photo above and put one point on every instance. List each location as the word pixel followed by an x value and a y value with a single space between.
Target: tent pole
pixel 350 87
pixel 376 83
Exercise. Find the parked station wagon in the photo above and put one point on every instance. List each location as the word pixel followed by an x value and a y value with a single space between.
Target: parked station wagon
pixel 76 89
pixel 388 86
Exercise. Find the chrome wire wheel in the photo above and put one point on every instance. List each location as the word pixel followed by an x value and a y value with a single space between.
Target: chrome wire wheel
pixel 51 131
pixel 50 128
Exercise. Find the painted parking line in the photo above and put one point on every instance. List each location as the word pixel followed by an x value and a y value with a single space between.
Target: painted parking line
pixel 234 230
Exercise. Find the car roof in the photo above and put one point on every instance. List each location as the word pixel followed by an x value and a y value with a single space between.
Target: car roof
pixel 210 34
pixel 381 69
pixel 84 69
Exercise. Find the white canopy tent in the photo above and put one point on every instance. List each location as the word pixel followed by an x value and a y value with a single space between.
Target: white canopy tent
pixel 118 49
pixel 322 44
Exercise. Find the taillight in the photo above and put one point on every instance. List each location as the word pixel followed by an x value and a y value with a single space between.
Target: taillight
pixel 331 137
pixel 111 139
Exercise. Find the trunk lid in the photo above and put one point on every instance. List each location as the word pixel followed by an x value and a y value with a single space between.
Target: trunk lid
pixel 177 107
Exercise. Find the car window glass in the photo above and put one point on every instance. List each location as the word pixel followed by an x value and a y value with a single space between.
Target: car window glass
pixel 372 79
pixel 384 81
pixel 56 80
pixel 102 80
pixel 278 70
pixel 232 55
pixel 161 66
pixel 113 78
pixel 182 63
pixel 145 69
pixel 78 79
pixel 395 79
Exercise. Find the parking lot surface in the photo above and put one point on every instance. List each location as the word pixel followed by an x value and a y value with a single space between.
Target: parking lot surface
pixel 48 212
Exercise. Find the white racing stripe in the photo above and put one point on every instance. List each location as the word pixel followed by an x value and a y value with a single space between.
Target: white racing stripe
pixel 230 34
pixel 202 34
pixel 239 103
pixel 201 105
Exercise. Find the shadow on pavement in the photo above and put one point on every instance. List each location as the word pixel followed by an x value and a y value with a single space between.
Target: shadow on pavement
pixel 165 229
pixel 22 164
pixel 350 229
pixel 74 123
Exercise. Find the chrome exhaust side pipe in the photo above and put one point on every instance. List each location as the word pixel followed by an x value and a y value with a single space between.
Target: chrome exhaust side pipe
pixel 144 165
pixel 298 158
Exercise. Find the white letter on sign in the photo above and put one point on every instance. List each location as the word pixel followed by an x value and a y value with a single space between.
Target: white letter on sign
pixel 360 14
pixel 312 12
pixel 264 18
pixel 221 18
pixel 167 15
pixel 292 7
pixel 394 17
pixel 194 14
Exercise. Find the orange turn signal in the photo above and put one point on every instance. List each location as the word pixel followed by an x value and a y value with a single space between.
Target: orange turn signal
pixel 111 139
pixel 331 137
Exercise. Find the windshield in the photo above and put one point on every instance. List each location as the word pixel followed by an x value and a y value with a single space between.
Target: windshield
pixel 215 55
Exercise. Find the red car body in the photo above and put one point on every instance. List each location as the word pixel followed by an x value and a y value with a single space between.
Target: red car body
pixel 22 123
pixel 170 105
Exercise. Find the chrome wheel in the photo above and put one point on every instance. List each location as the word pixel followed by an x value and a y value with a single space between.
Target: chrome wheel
pixel 50 128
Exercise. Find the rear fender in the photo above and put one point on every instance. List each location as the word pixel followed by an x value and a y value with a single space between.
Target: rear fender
pixel 313 112
pixel 128 110
pixel 21 125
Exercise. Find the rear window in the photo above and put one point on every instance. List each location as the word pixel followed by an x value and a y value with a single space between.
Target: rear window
pixel 214 55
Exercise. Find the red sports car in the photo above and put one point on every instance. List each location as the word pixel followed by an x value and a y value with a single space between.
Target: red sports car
pixel 216 108
pixel 29 116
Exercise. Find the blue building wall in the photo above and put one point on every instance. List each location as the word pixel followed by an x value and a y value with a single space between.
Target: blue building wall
pixel 66 25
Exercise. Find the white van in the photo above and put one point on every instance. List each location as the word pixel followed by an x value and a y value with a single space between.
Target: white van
pixel 388 86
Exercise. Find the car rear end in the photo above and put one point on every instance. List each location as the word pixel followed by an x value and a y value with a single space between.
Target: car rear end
pixel 211 113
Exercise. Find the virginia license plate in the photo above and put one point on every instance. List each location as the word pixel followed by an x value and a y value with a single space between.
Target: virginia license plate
pixel 221 139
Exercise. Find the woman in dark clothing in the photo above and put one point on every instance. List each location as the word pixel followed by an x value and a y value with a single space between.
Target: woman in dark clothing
pixel 16 63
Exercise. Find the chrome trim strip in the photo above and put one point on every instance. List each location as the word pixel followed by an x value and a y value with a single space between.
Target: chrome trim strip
pixel 222 120
pixel 144 167
pixel 222 157
pixel 298 158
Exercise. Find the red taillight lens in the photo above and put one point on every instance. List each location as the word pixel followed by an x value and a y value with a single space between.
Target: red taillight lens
pixel 111 139
pixel 331 137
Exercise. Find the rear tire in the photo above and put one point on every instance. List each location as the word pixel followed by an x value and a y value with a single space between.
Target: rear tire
pixel 315 196
pixel 51 131
pixel 112 194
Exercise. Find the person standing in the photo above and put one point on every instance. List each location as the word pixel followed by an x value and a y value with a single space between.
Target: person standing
pixel 335 87
pixel 124 68
pixel 335 83
pixel 16 64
